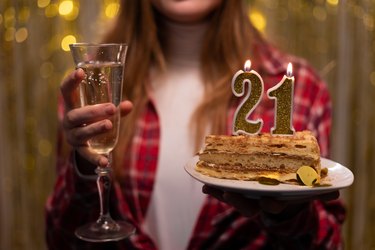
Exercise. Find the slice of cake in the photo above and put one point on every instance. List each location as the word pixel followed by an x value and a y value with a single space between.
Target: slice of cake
pixel 252 157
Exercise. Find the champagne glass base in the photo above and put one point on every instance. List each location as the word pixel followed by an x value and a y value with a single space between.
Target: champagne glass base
pixel 96 232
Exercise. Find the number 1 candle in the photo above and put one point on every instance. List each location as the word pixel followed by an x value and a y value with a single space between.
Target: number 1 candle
pixel 283 94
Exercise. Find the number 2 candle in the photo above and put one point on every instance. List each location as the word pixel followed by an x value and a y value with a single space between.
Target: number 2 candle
pixel 241 123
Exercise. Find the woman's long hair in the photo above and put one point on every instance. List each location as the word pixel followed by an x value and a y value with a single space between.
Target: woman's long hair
pixel 228 42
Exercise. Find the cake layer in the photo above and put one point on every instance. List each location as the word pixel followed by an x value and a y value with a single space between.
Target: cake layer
pixel 248 157
pixel 227 172
pixel 302 144
pixel 260 161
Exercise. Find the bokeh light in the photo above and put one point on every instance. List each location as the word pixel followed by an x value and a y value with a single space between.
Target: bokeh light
pixel 43 3
pixel 9 17
pixel 333 2
pixel 9 34
pixel 66 7
pixel 24 15
pixel 66 41
pixel 44 147
pixel 320 13
pixel 258 20
pixel 51 10
pixel 21 35
pixel 111 10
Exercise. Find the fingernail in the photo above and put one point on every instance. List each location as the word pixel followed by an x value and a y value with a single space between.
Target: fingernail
pixel 109 109
pixel 107 124
pixel 79 73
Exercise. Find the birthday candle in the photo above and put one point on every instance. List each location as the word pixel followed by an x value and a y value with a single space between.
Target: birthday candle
pixel 283 94
pixel 241 123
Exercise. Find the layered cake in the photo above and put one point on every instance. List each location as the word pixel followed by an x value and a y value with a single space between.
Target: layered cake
pixel 252 157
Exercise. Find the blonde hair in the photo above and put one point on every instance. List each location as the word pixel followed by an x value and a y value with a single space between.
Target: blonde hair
pixel 228 42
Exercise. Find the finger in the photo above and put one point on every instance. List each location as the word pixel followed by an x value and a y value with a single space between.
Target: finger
pixel 92 157
pixel 217 193
pixel 78 136
pixel 88 114
pixel 323 197
pixel 248 207
pixel 69 87
pixel 329 196
pixel 125 107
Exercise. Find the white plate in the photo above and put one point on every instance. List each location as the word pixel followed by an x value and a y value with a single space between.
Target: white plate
pixel 338 176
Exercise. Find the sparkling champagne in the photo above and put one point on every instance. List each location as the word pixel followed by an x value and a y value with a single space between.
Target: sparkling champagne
pixel 102 84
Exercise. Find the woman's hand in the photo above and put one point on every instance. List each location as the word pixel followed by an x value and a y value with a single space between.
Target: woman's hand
pixel 280 209
pixel 82 123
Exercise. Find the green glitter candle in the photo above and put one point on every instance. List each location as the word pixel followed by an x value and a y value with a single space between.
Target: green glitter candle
pixel 241 123
pixel 283 94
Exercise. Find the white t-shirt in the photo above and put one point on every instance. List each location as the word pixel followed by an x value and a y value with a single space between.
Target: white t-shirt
pixel 177 198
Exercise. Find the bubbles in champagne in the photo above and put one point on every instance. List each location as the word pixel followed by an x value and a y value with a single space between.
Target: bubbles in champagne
pixel 102 84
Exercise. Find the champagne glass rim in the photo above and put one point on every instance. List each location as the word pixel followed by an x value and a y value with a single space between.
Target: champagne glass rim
pixel 96 44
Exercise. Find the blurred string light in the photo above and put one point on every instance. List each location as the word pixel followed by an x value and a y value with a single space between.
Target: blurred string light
pixel 69 9
pixel 45 147
pixel 9 17
pixel 9 24
pixel 111 9
pixel 320 13
pixel 258 19
pixel 51 10
pixel 66 41
pixel 11 20
pixel 333 2
pixel 24 15
pixel 66 7
pixel 43 3
pixel 21 35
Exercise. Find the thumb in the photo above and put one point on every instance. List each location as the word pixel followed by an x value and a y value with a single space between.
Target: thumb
pixel 69 87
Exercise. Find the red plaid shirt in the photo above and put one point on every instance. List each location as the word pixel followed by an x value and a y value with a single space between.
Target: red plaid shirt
pixel 75 200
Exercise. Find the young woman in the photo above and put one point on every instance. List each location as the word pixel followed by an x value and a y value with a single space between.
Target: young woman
pixel 182 57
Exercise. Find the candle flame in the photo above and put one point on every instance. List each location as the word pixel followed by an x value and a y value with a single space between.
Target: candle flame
pixel 247 66
pixel 289 70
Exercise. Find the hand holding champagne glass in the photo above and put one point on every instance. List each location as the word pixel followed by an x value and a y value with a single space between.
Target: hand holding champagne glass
pixel 103 65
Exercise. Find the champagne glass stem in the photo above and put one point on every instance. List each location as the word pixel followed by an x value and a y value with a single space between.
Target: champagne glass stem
pixel 105 228
pixel 104 182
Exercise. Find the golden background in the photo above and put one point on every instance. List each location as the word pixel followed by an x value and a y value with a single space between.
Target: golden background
pixel 335 36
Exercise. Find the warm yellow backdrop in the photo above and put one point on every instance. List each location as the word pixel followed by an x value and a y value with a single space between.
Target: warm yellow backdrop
pixel 336 36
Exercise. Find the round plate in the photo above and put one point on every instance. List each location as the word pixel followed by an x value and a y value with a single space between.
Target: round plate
pixel 338 177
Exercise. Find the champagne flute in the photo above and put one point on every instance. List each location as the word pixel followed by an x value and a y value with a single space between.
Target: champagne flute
pixel 103 65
